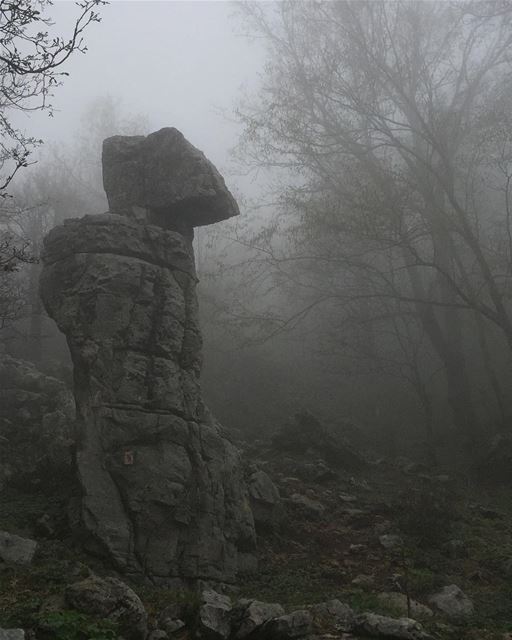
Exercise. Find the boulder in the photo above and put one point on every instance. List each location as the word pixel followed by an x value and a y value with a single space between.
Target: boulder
pixel 364 581
pixel 398 601
pixel 377 626
pixel 390 541
pixel 12 634
pixel 455 549
pixel 15 549
pixel 214 616
pixel 265 500
pixel 249 615
pixel 304 431
pixel 36 424
pixel 158 634
pixel 453 602
pixel 173 626
pixel 332 615
pixel 165 180
pixel 171 618
pixel 294 625
pixel 113 599
pixel 163 490
pixel 311 507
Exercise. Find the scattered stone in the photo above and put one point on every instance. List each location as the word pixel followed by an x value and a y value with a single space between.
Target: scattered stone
pixel 45 526
pixel 175 611
pixel 353 513
pixel 265 500
pixel 294 625
pixel 311 507
pixel 358 518
pixel 15 549
pixel 378 626
pixel 455 549
pixel 364 581
pixel 214 616
pixel 347 497
pixel 12 634
pixel 398 601
pixel 358 548
pixel 172 626
pixel 110 598
pixel 359 483
pixel 390 541
pixel 249 615
pixel 322 473
pixel 382 527
pixel 453 602
pixel 332 615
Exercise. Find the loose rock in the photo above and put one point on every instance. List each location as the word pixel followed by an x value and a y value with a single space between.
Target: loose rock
pixel 294 625
pixel 398 601
pixel 390 541
pixel 12 634
pixel 383 627
pixel 214 616
pixel 249 615
pixel 313 508
pixel 112 599
pixel 332 615
pixel 265 500
pixel 453 602
pixel 15 549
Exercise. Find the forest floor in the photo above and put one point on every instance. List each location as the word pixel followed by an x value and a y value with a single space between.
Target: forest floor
pixel 453 531
pixel 327 546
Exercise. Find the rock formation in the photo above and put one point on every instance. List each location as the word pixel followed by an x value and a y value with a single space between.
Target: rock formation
pixel 36 417
pixel 163 491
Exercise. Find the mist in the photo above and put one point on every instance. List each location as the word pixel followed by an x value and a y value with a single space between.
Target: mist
pixel 255 320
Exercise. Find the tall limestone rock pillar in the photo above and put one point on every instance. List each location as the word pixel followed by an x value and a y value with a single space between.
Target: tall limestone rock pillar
pixel 163 492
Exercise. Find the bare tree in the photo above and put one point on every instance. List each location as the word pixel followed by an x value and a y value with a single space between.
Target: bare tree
pixel 375 108
pixel 31 57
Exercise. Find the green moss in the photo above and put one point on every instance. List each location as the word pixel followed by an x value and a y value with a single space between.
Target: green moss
pixel 71 625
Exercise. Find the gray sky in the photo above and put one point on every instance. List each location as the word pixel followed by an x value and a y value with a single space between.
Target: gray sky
pixel 179 63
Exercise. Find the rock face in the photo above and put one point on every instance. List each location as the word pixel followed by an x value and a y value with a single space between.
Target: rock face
pixel 36 424
pixel 163 490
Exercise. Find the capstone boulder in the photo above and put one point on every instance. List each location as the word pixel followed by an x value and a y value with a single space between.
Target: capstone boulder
pixel 163 179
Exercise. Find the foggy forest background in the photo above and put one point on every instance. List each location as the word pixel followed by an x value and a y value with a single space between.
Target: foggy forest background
pixel 369 277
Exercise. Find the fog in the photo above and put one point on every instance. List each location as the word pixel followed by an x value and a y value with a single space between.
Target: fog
pixel 256 320
pixel 181 64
